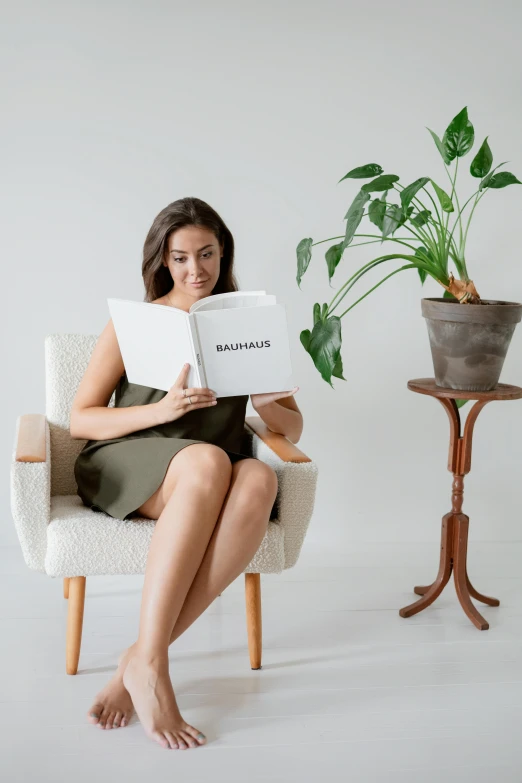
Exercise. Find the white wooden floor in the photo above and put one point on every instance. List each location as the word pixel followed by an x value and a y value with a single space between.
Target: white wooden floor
pixel 349 691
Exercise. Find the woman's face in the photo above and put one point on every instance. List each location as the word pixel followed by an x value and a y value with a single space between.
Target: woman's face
pixel 193 256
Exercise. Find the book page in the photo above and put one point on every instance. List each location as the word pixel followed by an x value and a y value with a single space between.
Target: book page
pixel 154 342
pixel 233 299
pixel 245 350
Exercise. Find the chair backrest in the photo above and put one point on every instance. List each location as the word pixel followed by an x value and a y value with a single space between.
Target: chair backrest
pixel 66 359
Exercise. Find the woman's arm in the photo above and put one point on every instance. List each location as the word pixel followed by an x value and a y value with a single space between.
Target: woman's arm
pixel 91 419
pixel 283 416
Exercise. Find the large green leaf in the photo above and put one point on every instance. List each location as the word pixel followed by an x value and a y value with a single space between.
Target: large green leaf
pixel 337 371
pixel 304 254
pixel 445 201
pixel 383 182
pixel 460 403
pixel 488 177
pixel 440 146
pixel 421 218
pixel 392 220
pixel 324 346
pixel 305 337
pixel 333 255
pixel 408 193
pixel 481 163
pixel 406 214
pixel 459 135
pixel 376 212
pixel 354 216
pixel 503 179
pixel 364 172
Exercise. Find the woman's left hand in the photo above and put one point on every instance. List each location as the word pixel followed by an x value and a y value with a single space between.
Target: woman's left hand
pixel 260 400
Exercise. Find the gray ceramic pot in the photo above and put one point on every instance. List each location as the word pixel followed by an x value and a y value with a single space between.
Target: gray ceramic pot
pixel 469 342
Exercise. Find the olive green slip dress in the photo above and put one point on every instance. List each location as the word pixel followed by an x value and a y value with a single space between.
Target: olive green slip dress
pixel 118 475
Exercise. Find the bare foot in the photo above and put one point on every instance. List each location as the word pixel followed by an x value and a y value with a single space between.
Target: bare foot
pixel 150 687
pixel 113 706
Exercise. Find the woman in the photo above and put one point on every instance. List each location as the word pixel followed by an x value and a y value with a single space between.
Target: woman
pixel 174 457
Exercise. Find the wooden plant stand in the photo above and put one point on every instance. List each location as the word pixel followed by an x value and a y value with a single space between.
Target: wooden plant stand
pixel 455 524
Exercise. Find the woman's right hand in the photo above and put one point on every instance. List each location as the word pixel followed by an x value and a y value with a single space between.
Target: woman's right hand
pixel 176 403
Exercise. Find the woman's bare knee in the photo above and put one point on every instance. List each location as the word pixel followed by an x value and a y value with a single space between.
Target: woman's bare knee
pixel 258 472
pixel 204 464
pixel 258 482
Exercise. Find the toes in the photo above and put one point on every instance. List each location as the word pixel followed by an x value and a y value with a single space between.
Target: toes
pixel 116 720
pixel 160 739
pixel 110 721
pixel 103 719
pixel 171 739
pixel 196 733
pixel 189 739
pixel 181 741
pixel 94 713
pixel 124 720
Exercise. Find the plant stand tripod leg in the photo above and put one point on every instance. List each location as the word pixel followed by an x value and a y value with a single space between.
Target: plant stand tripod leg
pixel 484 599
pixel 460 547
pixel 433 591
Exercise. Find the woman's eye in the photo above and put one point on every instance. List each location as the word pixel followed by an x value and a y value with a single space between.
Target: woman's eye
pixel 208 253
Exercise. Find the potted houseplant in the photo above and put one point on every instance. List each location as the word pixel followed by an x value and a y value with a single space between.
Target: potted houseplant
pixel 469 336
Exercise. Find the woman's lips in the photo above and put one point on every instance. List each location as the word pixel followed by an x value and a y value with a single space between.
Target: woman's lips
pixel 198 285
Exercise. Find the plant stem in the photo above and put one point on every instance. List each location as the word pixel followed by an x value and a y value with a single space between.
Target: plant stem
pixel 378 238
pixel 471 213
pixel 417 262
pixel 321 241
pixel 456 197
pixel 396 271
pixel 453 192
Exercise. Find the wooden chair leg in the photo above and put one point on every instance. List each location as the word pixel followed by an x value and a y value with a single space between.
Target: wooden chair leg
pixel 253 613
pixel 76 589
pixel 66 587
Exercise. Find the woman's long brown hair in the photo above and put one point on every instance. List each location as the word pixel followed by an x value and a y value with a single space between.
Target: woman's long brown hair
pixel 184 212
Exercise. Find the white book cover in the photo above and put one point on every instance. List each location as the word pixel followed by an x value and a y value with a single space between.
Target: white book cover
pixel 236 343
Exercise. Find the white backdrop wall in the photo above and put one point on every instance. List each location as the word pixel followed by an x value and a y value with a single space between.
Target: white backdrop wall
pixel 111 110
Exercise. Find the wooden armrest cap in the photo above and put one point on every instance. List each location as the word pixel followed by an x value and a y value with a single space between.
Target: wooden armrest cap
pixel 30 446
pixel 284 448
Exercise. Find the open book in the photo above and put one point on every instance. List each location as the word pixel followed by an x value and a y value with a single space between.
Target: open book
pixel 236 343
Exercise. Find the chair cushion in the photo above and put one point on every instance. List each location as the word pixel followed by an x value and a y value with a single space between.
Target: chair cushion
pixel 82 542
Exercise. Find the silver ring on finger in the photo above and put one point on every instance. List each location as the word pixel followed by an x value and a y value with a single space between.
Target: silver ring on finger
pixel 190 401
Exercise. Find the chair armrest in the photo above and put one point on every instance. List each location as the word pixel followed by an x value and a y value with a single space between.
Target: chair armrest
pixel 31 487
pixel 30 444
pixel 297 481
pixel 284 448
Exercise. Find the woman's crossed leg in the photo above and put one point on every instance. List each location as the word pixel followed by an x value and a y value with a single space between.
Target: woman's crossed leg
pixel 211 518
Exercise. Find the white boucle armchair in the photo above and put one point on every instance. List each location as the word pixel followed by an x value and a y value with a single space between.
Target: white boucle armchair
pixel 61 537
